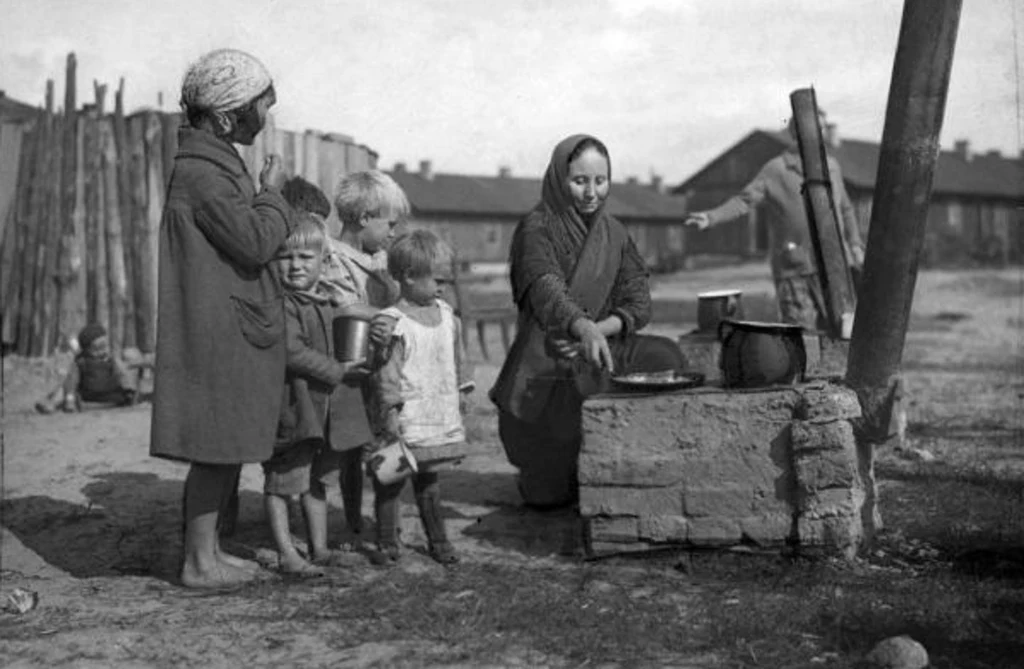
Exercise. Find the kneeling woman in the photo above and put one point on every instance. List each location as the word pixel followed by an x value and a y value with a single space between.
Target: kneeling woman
pixel 582 292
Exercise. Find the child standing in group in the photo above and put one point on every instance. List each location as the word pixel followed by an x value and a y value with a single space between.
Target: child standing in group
pixel 419 389
pixel 369 205
pixel 303 460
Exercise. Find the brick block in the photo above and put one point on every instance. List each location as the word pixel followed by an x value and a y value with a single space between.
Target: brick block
pixel 601 548
pixel 702 352
pixel 616 530
pixel 834 355
pixel 640 470
pixel 733 501
pixel 684 424
pixel 628 501
pixel 824 403
pixel 664 528
pixel 772 528
pixel 839 535
pixel 713 531
pixel 806 437
pixel 826 469
pixel 831 502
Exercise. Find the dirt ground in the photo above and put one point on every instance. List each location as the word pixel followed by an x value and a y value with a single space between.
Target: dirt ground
pixel 91 522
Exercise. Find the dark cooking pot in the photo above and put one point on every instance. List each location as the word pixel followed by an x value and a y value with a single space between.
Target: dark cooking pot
pixel 756 354
pixel 351 338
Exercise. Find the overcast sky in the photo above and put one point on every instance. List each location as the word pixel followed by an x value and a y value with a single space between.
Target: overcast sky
pixel 475 84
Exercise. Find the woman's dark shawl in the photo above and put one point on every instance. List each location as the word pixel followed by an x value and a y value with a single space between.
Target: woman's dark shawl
pixel 553 240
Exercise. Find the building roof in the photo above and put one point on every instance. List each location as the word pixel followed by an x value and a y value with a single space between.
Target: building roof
pixel 983 175
pixel 513 197
pixel 12 110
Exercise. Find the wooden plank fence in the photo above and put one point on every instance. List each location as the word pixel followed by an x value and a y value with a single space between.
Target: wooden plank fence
pixel 79 220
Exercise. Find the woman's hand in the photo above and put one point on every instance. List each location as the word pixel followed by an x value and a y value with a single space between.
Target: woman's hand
pixel 272 176
pixel 566 349
pixel 593 344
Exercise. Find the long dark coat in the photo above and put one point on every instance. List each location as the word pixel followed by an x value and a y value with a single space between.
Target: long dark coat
pixel 220 351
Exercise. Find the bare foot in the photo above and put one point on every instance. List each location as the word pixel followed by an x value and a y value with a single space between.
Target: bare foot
pixel 236 562
pixel 329 558
pixel 296 566
pixel 220 576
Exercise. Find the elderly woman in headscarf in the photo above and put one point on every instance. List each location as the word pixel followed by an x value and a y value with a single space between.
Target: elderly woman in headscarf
pixel 582 291
pixel 220 350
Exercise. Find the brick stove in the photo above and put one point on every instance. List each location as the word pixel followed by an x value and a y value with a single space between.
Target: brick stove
pixel 712 466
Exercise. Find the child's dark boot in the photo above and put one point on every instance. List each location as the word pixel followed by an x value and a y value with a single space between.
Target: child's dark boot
pixel 428 500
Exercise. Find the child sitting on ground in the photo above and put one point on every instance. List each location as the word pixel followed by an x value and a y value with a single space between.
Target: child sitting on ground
pixel 369 204
pixel 419 390
pixel 95 375
pixel 302 461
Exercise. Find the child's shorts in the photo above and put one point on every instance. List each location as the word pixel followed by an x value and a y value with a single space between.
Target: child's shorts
pixel 327 466
pixel 288 471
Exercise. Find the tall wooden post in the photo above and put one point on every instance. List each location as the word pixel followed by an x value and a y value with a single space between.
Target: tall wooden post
pixel 822 212
pixel 906 165
pixel 71 277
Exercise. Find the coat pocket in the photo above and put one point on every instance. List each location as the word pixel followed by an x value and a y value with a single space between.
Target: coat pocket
pixel 262 323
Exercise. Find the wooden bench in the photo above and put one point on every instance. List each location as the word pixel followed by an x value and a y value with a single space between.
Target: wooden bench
pixel 479 309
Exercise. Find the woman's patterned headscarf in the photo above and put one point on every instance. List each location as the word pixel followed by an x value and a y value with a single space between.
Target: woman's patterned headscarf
pixel 224 80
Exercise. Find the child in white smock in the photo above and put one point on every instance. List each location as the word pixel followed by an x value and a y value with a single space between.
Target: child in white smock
pixel 420 390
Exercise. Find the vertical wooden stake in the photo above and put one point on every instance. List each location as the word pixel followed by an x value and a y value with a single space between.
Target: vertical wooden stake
pixel 117 288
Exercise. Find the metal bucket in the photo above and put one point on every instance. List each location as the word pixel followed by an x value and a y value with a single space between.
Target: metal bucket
pixel 351 338
pixel 393 463
pixel 715 306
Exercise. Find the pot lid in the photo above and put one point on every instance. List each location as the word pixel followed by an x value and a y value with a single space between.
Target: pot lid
pixel 763 326
pixel 711 294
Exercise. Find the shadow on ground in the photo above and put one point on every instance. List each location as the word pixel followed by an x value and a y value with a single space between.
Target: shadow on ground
pixel 130 526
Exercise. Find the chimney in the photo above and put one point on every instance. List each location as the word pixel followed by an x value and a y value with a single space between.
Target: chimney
pixel 400 168
pixel 504 172
pixel 426 170
pixel 656 182
pixel 962 148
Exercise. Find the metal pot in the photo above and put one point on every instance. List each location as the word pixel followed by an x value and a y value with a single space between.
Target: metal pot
pixel 716 305
pixel 351 338
pixel 756 354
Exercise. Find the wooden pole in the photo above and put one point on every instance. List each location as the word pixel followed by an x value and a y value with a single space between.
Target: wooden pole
pixel 15 289
pixel 70 279
pixel 99 304
pixel 825 230
pixel 140 256
pixel 150 232
pixel 117 286
pixel 50 236
pixel 124 202
pixel 29 325
pixel 169 124
pixel 906 165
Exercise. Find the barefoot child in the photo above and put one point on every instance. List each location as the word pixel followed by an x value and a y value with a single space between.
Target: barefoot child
pixel 369 205
pixel 419 389
pixel 302 460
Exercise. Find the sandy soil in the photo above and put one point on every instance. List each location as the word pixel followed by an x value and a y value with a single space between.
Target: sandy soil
pixel 90 521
